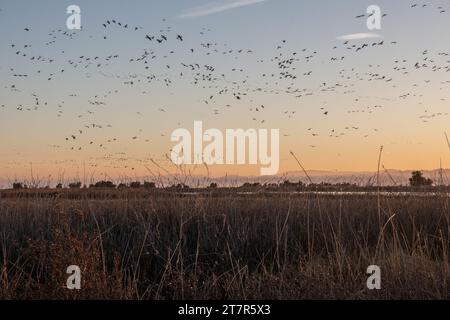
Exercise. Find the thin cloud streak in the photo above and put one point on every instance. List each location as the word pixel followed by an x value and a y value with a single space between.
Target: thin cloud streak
pixel 217 7
pixel 359 36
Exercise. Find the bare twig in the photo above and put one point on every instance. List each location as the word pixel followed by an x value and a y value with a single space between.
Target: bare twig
pixel 446 138
pixel 306 173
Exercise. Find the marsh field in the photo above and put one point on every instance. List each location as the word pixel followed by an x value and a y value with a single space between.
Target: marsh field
pixel 223 245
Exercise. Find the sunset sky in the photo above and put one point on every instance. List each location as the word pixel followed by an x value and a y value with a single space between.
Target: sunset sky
pixel 121 95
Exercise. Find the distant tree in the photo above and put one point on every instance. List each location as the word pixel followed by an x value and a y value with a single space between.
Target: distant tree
pixel 418 180
pixel 75 185
pixel 149 185
pixel 213 185
pixel 287 183
pixel 135 185
pixel 122 186
pixel 59 186
pixel 251 185
pixel 18 186
pixel 103 184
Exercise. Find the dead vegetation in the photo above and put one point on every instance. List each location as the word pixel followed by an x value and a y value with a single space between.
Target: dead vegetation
pixel 226 246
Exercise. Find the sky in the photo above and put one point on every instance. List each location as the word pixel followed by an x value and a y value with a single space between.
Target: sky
pixel 103 101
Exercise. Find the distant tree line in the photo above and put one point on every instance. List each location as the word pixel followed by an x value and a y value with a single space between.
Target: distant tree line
pixel 417 180
pixel 99 184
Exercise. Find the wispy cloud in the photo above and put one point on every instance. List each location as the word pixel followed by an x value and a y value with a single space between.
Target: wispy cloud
pixel 358 36
pixel 216 7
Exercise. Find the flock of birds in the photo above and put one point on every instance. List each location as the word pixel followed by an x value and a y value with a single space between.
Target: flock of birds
pixel 222 88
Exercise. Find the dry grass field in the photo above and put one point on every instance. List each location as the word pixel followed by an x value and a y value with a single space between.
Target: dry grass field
pixel 147 245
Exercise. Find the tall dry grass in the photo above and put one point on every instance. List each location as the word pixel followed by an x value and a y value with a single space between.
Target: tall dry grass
pixel 225 246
